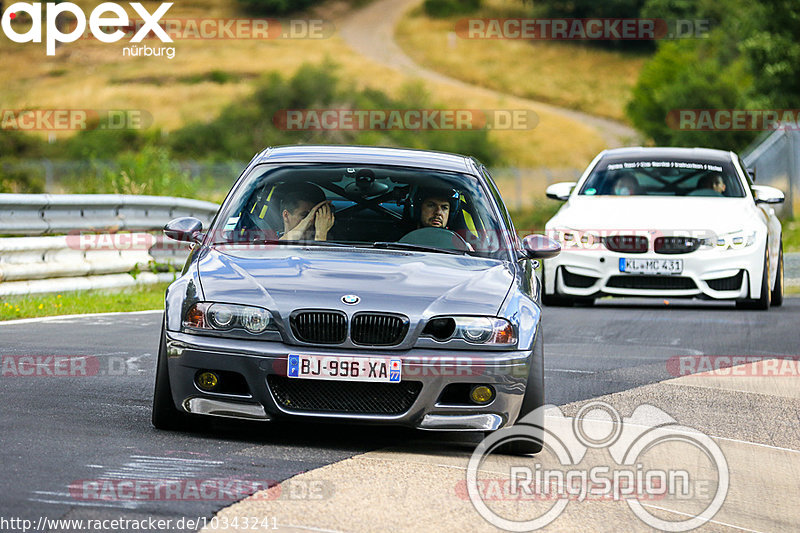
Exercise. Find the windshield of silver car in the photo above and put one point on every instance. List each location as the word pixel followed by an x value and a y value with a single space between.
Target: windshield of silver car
pixel 364 206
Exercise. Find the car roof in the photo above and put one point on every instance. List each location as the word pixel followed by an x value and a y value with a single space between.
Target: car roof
pixel 366 155
pixel 705 154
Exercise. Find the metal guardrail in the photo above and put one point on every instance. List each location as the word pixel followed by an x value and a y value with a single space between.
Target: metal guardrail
pixel 103 242
pixel 50 214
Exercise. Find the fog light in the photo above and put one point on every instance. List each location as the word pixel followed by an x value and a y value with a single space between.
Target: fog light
pixel 481 394
pixel 208 381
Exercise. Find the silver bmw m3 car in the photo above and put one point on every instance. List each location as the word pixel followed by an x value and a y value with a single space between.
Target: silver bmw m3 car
pixel 361 284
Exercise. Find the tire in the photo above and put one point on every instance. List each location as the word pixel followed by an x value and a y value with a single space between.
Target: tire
pixel 532 400
pixel 777 292
pixel 763 301
pixel 555 300
pixel 165 415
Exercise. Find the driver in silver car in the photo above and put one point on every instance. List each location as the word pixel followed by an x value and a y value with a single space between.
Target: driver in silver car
pixel 434 208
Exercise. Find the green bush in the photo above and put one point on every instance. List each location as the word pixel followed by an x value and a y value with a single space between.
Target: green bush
pixel 147 171
pixel 246 127
pixel 533 219
pixel 19 181
pixel 449 8
pixel 277 7
pixel 588 8
pixel 680 77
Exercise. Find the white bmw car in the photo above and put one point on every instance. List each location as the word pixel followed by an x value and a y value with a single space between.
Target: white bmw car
pixel 666 222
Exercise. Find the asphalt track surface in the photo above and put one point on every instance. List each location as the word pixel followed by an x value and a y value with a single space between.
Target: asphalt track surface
pixel 58 430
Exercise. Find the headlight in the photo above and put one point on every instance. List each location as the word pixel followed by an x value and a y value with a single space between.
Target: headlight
pixel 254 319
pixel 473 329
pixel 570 238
pixel 736 240
pixel 223 317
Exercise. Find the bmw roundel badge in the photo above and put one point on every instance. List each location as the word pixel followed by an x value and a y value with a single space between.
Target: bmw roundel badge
pixel 350 299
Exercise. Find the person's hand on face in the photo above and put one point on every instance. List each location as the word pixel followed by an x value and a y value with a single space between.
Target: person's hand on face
pixel 435 212
pixel 307 217
pixel 323 221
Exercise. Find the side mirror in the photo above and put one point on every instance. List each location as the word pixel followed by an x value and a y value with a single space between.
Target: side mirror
pixel 540 247
pixel 560 191
pixel 763 194
pixel 752 173
pixel 188 229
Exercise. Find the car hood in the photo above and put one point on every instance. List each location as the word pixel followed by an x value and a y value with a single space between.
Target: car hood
pixel 285 278
pixel 694 214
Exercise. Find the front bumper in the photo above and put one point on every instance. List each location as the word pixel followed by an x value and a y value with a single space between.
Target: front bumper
pixel 709 274
pixel 505 371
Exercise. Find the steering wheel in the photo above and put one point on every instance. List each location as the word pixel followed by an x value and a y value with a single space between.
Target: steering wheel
pixel 437 237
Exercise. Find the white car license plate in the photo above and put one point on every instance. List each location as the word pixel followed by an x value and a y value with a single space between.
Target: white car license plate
pixel 651 266
pixel 344 368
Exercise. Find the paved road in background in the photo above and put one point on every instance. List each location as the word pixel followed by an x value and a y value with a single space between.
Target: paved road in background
pixel 370 32
pixel 59 430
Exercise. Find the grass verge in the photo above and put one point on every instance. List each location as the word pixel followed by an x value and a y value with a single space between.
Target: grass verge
pixel 569 75
pixel 139 298
pixel 791 235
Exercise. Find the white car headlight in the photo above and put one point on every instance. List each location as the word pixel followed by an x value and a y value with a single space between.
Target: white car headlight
pixel 572 238
pixel 736 240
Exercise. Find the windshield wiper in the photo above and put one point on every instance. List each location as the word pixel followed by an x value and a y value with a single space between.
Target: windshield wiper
pixel 416 247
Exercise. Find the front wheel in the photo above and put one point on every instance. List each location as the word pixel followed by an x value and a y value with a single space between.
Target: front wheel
pixel 763 301
pixel 165 414
pixel 531 403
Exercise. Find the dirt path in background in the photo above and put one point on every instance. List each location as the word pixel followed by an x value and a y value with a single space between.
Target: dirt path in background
pixel 370 32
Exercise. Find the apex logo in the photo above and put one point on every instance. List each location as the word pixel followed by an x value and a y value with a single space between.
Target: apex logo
pixel 105 16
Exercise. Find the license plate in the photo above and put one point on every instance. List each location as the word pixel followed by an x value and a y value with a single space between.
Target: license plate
pixel 651 266
pixel 383 369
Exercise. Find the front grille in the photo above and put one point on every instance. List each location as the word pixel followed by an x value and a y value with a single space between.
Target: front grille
pixel 322 327
pixel 374 329
pixel 651 282
pixel 630 244
pixel 577 280
pixel 733 283
pixel 344 396
pixel 675 245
